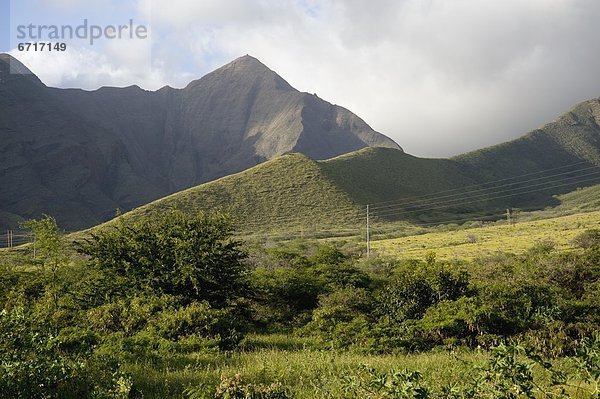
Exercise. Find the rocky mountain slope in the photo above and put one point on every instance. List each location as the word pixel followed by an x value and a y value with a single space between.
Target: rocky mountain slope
pixel 81 155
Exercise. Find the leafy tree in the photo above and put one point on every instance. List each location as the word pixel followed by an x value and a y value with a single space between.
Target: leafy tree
pixel 412 292
pixel 284 294
pixel 50 244
pixel 327 254
pixel 190 256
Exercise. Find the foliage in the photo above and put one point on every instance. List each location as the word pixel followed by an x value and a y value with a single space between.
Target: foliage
pixel 193 257
pixel 160 305
pixel 588 239
pixel 236 388
pixel 508 374
pixel 49 241
pixel 411 292
pixel 369 383
pixel 289 289
pixel 33 364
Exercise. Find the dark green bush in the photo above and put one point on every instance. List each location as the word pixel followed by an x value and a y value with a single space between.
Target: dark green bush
pixel 191 256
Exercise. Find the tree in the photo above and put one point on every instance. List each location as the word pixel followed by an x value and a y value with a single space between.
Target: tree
pixel 190 256
pixel 50 244
pixel 48 240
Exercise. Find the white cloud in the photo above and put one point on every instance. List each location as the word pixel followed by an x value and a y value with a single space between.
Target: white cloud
pixel 88 69
pixel 439 76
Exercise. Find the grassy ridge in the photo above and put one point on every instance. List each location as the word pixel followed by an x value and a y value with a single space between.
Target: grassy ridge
pixel 373 175
pixel 584 199
pixel 288 193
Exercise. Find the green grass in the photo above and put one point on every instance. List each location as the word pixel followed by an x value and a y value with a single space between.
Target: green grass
pixel 490 239
pixel 309 373
pixel 381 174
pixel 576 213
pixel 580 200
pixel 290 193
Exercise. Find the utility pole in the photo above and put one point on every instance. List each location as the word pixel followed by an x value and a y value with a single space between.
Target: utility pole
pixel 508 216
pixel 34 247
pixel 368 234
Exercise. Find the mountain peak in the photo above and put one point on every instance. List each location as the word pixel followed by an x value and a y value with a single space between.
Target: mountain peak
pixel 246 69
pixel 247 66
pixel 248 62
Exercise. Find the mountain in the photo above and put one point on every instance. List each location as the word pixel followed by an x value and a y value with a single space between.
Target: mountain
pixel 295 193
pixel 81 155
pixel 573 137
pixel 528 172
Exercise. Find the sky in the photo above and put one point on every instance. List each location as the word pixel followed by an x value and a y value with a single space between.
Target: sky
pixel 440 77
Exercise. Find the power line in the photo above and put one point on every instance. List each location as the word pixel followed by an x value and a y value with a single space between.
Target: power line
pixel 470 219
pixel 490 182
pixel 484 189
pixel 446 204
pixel 441 204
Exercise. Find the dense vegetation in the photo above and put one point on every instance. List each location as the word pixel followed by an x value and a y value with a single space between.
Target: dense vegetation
pixel 174 306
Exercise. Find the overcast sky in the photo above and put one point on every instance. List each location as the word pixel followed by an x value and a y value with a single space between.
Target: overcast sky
pixel 438 76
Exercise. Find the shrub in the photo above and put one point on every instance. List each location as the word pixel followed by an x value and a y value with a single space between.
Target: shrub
pixel 588 239
pixel 341 319
pixel 159 322
pixel 412 292
pixel 173 253
pixel 33 364
pixel 236 388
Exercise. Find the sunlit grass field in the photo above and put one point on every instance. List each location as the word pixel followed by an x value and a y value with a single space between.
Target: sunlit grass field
pixel 487 240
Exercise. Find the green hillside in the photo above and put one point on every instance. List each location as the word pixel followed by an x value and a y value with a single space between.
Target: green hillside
pixel 572 138
pixel 296 196
pixel 374 175
pixel 290 193
pixel 585 199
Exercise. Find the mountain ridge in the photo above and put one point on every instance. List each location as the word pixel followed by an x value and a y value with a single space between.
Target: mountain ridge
pixel 526 173
pixel 268 119
pixel 119 148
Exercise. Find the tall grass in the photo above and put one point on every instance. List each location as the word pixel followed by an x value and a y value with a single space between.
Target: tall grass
pixel 309 373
